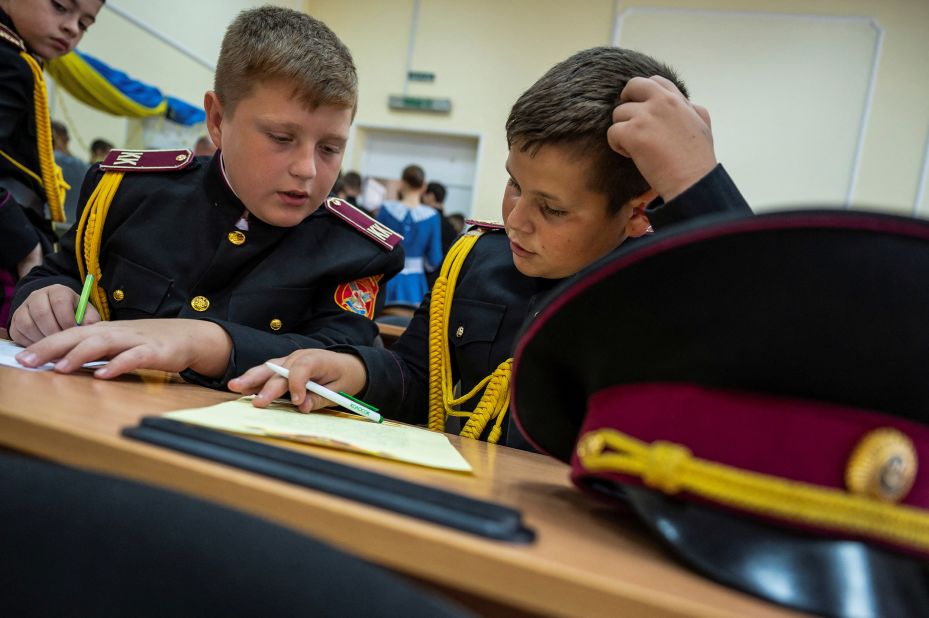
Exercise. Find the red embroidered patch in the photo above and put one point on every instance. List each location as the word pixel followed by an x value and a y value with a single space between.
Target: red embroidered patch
pixel 358 296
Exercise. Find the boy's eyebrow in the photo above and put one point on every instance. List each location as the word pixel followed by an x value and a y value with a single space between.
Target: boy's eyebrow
pixel 547 196
pixel 74 5
pixel 287 125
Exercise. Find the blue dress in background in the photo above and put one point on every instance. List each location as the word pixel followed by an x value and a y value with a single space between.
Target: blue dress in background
pixel 422 244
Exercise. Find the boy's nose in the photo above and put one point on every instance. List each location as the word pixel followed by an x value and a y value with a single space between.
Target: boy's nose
pixel 520 218
pixel 71 27
pixel 304 167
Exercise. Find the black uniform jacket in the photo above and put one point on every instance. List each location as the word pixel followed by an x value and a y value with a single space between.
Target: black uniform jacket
pixel 167 242
pixel 17 114
pixel 491 302
pixel 17 139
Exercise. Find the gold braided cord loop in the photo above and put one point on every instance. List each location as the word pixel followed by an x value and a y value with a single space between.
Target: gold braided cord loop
pixel 493 405
pixel 671 468
pixel 52 180
pixel 496 398
pixel 90 235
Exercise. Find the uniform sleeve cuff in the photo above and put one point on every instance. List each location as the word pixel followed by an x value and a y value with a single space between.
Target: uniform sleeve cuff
pixel 386 385
pixel 712 194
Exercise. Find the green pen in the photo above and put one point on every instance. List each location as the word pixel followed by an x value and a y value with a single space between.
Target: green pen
pixel 85 296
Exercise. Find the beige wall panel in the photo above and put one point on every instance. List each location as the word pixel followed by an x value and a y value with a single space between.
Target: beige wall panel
pixel 897 126
pixel 788 93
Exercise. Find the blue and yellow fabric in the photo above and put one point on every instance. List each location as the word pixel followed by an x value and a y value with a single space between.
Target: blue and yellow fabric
pixel 102 87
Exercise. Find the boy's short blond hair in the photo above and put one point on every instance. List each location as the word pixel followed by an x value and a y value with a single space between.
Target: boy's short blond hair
pixel 273 43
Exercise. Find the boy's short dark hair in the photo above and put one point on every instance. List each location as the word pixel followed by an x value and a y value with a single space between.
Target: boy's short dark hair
pixel 352 181
pixel 100 145
pixel 59 128
pixel 572 105
pixel 438 190
pixel 274 43
pixel 413 176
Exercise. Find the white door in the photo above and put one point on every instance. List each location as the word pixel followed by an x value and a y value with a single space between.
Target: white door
pixel 449 159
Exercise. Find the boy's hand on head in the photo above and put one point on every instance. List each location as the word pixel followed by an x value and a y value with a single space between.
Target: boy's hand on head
pixel 336 371
pixel 164 344
pixel 47 311
pixel 668 137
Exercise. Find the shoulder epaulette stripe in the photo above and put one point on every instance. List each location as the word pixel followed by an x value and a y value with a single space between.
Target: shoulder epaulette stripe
pixel 373 229
pixel 12 38
pixel 487 225
pixel 147 160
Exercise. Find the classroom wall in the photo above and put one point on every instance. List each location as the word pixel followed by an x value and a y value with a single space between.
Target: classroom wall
pixel 485 53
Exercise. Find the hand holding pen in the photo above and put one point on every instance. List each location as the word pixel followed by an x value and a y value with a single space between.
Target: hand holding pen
pixel 337 371
pixel 49 310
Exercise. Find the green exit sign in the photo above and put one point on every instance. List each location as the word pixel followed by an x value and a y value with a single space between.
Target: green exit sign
pixel 420 76
pixel 420 104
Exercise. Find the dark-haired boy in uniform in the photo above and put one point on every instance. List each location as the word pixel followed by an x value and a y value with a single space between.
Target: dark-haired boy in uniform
pixel 571 200
pixel 31 32
pixel 243 252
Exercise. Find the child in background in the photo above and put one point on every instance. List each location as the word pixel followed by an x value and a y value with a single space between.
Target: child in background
pixel 422 237
pixel 99 149
pixel 210 266
pixel 31 32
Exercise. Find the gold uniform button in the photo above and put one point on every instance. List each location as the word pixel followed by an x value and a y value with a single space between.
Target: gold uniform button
pixel 882 466
pixel 181 157
pixel 276 324
pixel 200 303
pixel 237 238
pixel 118 295
pixel 460 332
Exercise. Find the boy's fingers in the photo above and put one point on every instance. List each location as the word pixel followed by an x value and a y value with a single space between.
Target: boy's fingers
pixel 124 362
pixel 40 310
pixel 251 381
pixel 76 349
pixel 665 83
pixel 91 316
pixel 614 136
pixel 704 115
pixel 299 375
pixel 63 309
pixel 636 89
pixel 312 401
pixel 626 111
pixel 23 330
pixel 46 349
pixel 273 388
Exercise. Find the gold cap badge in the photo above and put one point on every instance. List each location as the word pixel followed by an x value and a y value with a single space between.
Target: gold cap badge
pixel 882 466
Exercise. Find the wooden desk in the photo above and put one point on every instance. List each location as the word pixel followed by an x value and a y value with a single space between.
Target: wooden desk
pixel 587 561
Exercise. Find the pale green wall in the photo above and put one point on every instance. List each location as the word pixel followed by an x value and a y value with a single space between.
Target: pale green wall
pixel 485 53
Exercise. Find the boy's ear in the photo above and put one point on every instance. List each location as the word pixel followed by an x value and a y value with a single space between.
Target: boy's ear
pixel 638 223
pixel 214 117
